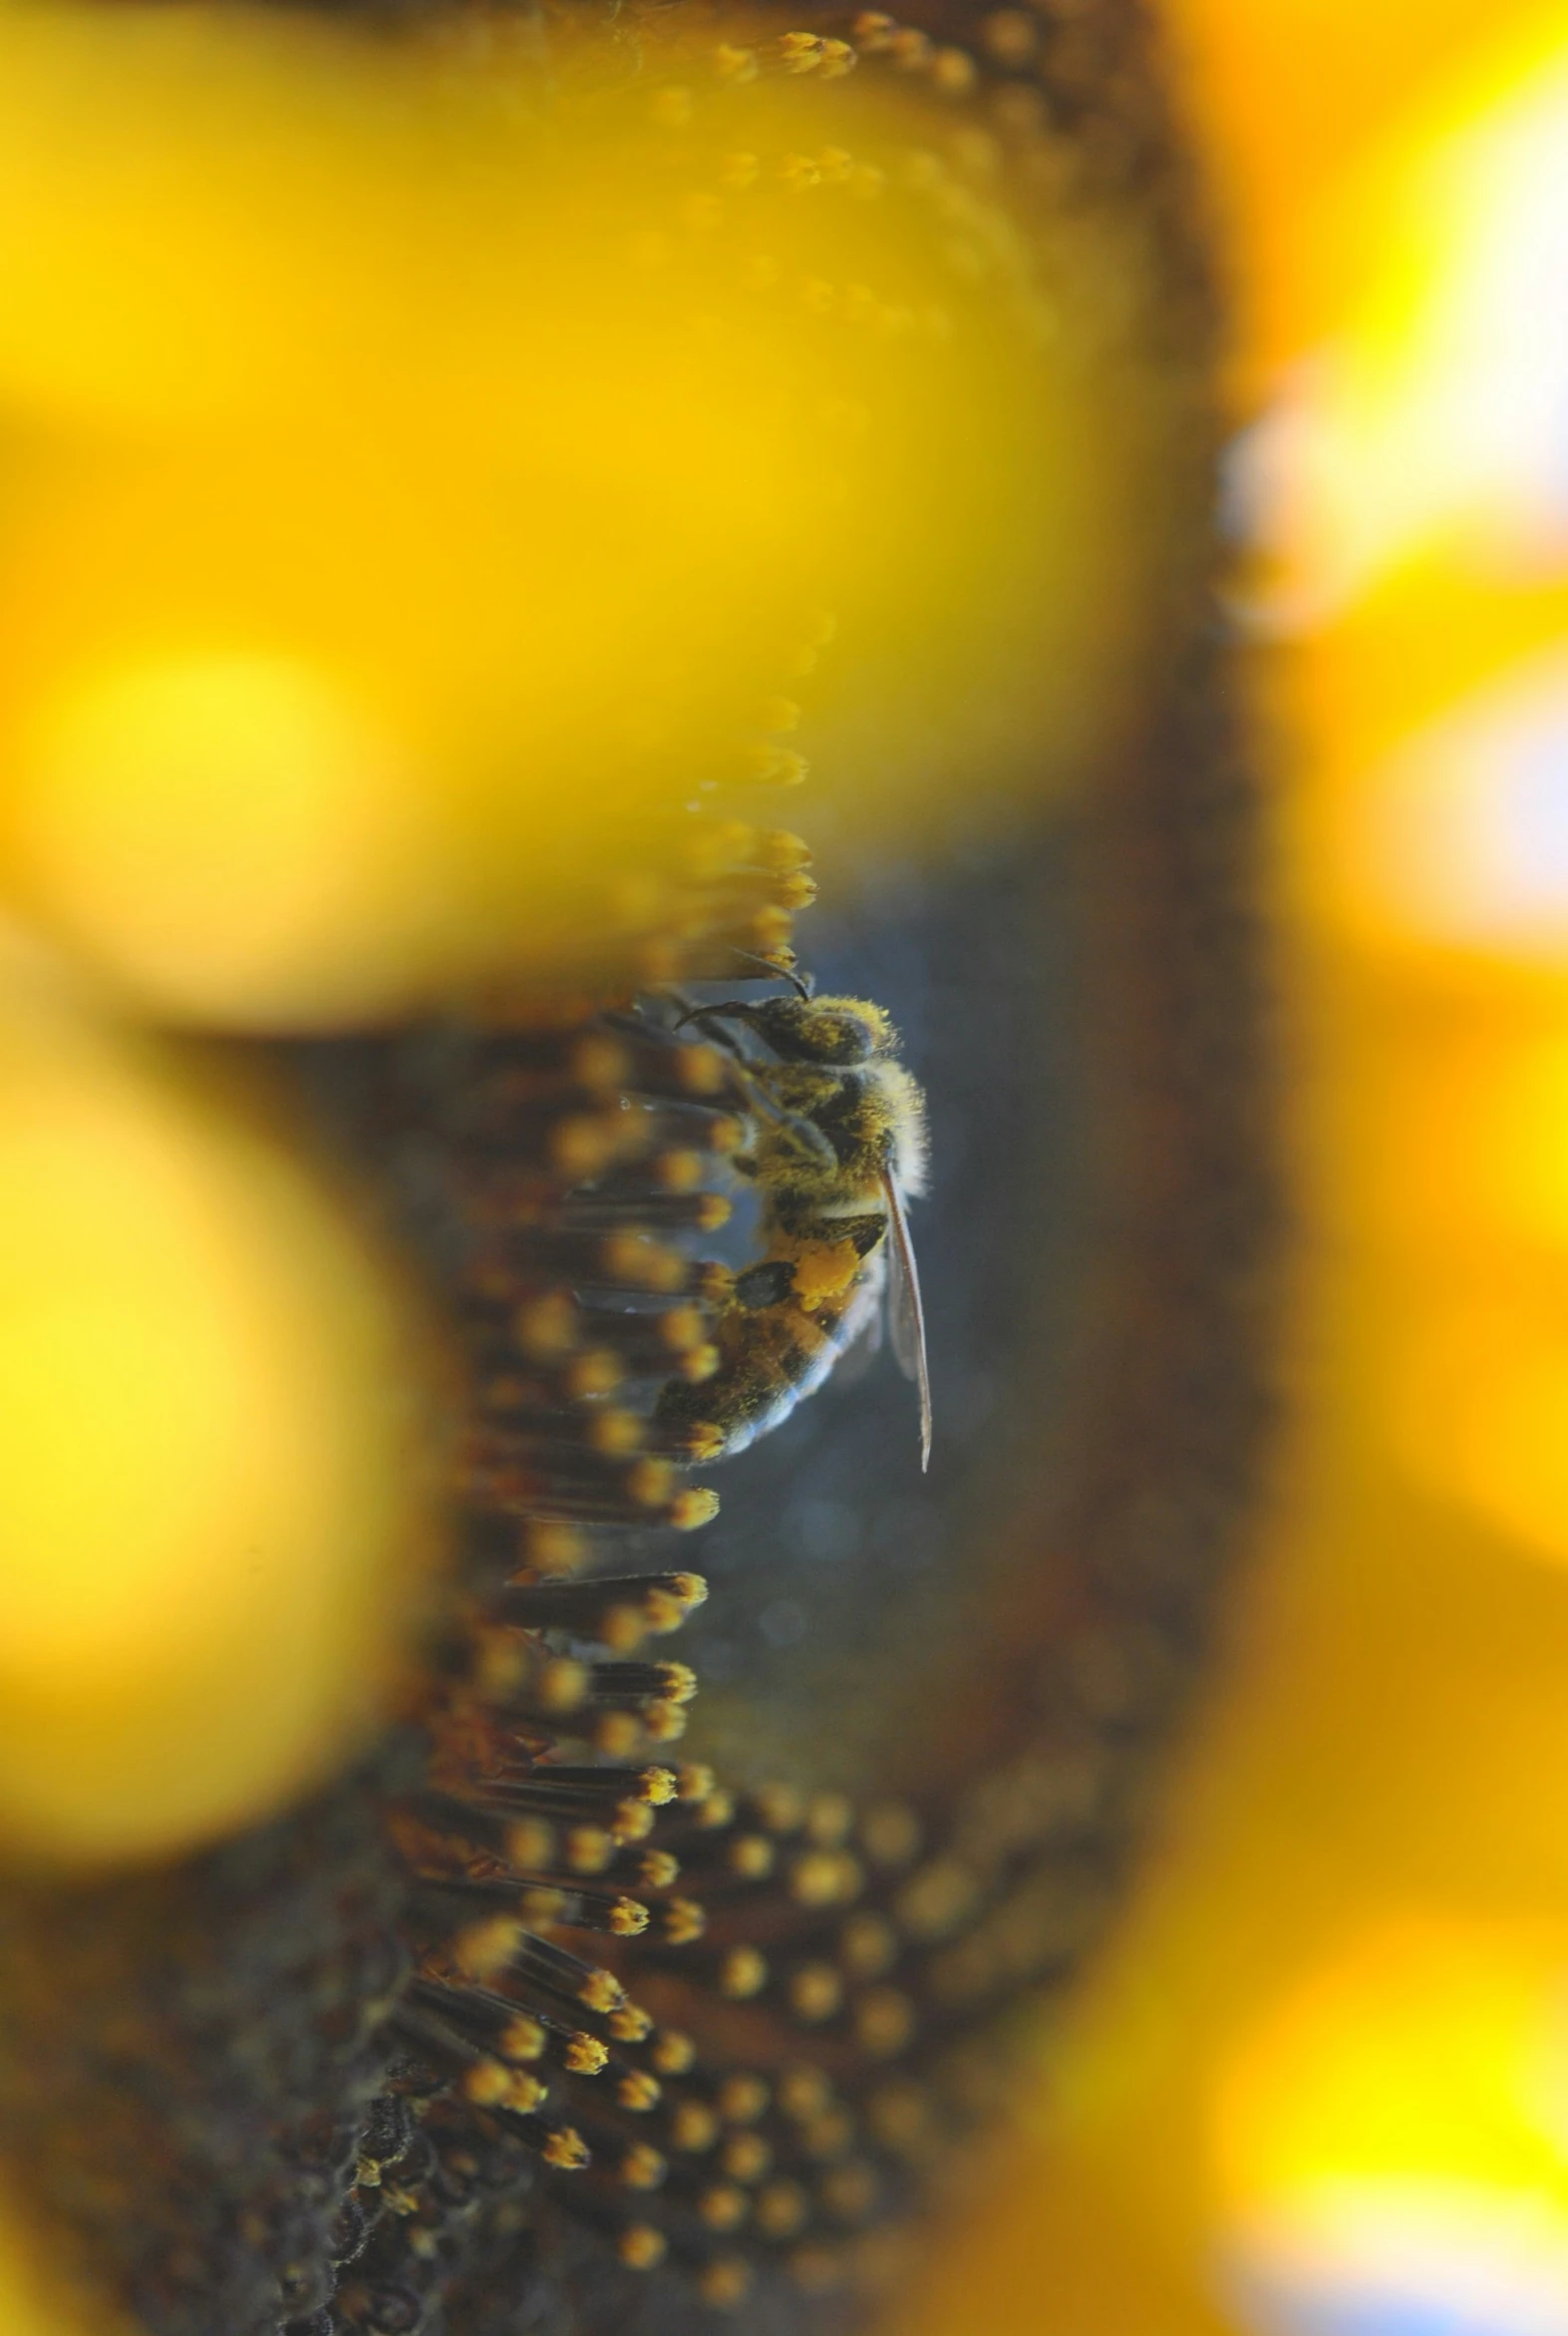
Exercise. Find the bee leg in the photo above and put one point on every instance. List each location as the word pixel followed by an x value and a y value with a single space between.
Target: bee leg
pixel 710 1020
pixel 803 984
pixel 766 1284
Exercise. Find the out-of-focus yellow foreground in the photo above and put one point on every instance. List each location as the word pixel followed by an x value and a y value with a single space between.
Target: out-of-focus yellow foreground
pixel 1322 2088
pixel 211 1454
pixel 410 485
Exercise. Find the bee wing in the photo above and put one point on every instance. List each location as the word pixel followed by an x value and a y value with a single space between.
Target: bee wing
pixel 865 1341
pixel 906 1316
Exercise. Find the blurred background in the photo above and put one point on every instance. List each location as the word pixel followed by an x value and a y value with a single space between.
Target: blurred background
pixel 1321 2087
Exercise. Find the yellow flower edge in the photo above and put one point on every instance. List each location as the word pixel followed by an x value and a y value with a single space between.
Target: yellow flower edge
pixel 211 1453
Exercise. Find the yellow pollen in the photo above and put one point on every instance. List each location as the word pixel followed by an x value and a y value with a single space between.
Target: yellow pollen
pixel 823 1271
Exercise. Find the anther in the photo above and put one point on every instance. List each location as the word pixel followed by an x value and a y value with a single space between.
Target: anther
pixel 885 2021
pixel 782 2209
pixel 742 1973
pixel 747 2157
pixel 725 2282
pixel 723 2206
pixel 641 2167
pixel 672 2053
pixel 742 2098
pixel 816 1992
pixel 638 2091
pixel 693 2127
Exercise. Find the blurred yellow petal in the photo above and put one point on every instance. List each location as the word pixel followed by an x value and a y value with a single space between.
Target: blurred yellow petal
pixel 211 1466
pixel 214 826
pixel 1459 841
pixel 1380 2149
pixel 412 475
pixel 1478 1402
pixel 38 2299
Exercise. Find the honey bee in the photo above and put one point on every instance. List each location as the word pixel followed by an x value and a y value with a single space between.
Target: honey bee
pixel 837 1147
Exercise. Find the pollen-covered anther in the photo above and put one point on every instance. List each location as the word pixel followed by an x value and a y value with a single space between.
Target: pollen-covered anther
pixel 522 2039
pixel 677 1171
pixel 868 1946
pixel 804 2092
pixel 1010 34
pixel 873 31
pixel 561 1685
pixel 827 2137
pixel 884 2022
pixel 751 1857
pixel 600 1992
pixel 800 52
pixel 584 2055
pixel 635 1683
pixel 937 1899
pixel 490 2085
pixel 640 1264
pixel 630 2024
pixel 553 1549
pixel 825 1877
pixel 682 1921
pixel 693 2127
pixel 780 1808
pixel 585 1143
pixel 673 2052
pixel 780 766
pixel 547 1326
pixel 742 1973
pixel 618 1734
pixel 589 1848
pixel 695 1441
pixel 695 1367
pixel 722 2205
pixel 695 1507
pixel 829 1818
pixel 908 48
pixel 658 1869
pixel 747 2157
pixel 725 2282
pixel 816 1992
pixel 616 1432
pixel 597 1373
pixel 485 1948
pixel 954 71
pixel 600 1062
pixel 782 2209
pixel 641 2247
pixel 665 1723
pixel 638 2091
pixel 641 2167
pixel 566 2151
pixel 651 1483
